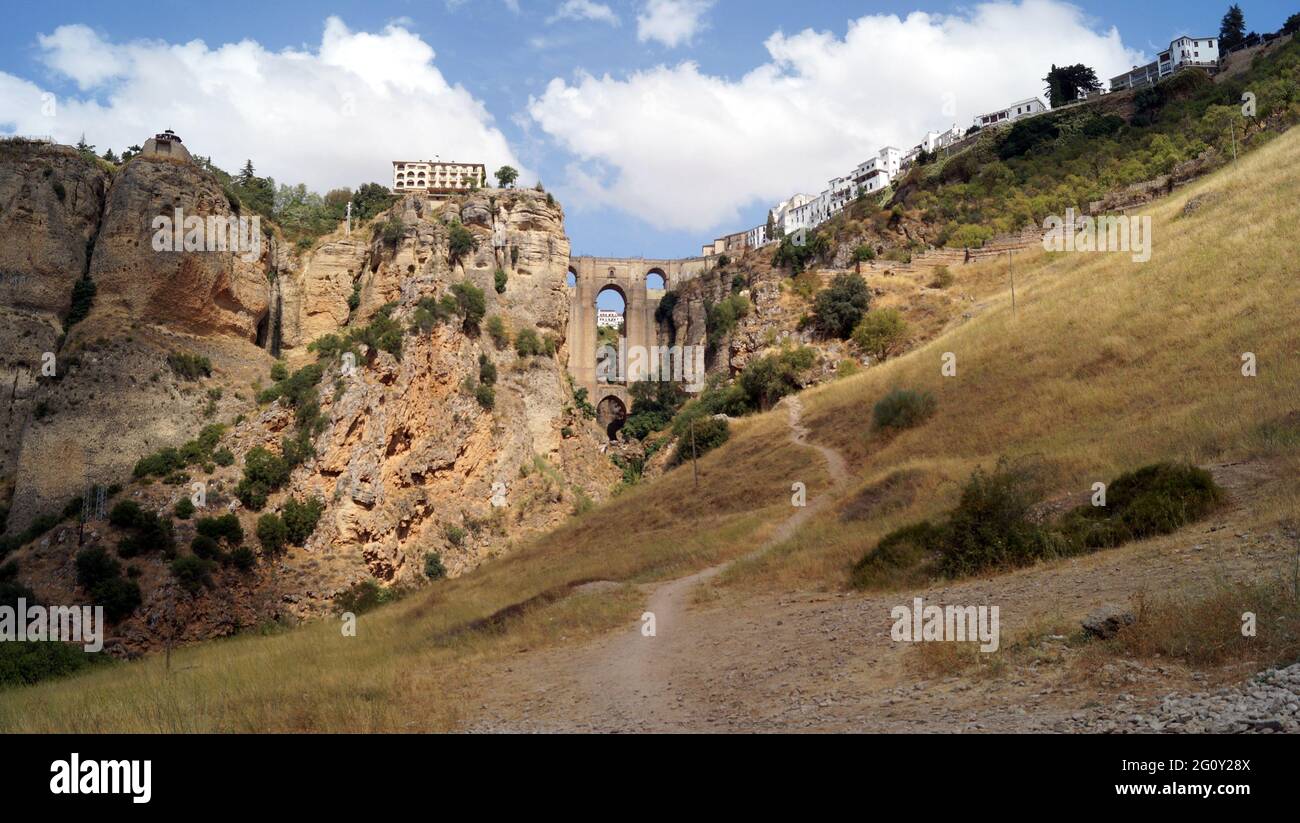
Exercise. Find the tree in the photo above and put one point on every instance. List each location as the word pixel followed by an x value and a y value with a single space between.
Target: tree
pixel 1232 31
pixel 370 199
pixel 86 149
pixel 1065 84
pixel 771 227
pixel 839 307
pixel 506 176
pixel 881 333
pixel 246 174
pixel 109 156
pixel 131 151
pixel 1292 24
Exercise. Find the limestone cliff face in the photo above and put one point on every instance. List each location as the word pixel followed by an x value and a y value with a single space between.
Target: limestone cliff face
pixel 409 461
pixel 113 398
pixel 51 203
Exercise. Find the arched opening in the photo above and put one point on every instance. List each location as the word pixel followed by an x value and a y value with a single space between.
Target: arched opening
pixel 655 280
pixel 611 414
pixel 611 305
pixel 571 278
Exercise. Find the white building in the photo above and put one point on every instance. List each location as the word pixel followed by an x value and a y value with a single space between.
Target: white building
pixel 757 236
pixel 605 318
pixel 878 172
pixel 1013 112
pixel 437 177
pixel 1200 52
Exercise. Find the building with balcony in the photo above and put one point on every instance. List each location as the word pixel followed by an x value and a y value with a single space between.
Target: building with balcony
pixel 1013 112
pixel 1185 52
pixel 437 177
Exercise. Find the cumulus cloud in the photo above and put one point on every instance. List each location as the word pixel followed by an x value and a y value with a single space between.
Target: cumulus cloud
pixel 330 117
pixel 584 10
pixel 672 22
pixel 686 150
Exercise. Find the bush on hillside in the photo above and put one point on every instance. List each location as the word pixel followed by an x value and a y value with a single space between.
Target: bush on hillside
pixel 1153 500
pixel 881 333
pixel 839 307
pixel 707 434
pixel 903 409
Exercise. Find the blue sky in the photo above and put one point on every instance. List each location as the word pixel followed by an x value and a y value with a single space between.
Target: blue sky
pixel 654 140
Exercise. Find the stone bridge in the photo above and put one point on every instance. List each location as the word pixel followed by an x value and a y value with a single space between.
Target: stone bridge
pixel 627 276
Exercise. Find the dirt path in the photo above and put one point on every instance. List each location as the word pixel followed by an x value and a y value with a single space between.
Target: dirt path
pixel 631 677
pixel 816 661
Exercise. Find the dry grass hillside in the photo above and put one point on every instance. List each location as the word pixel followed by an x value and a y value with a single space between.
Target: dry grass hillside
pixel 1106 364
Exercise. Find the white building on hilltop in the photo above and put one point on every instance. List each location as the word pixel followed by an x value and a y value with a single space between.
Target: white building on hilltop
pixel 437 177
pixel 1013 112
pixel 1200 52
pixel 606 318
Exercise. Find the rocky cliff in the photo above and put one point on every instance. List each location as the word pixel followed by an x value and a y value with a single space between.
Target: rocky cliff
pixel 408 459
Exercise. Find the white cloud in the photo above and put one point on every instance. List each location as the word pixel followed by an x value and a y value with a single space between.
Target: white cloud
pixel 672 22
pixel 686 150
pixel 584 10
pixel 331 117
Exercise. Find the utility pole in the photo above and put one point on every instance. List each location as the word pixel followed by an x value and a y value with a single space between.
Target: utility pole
pixel 348 230
pixel 1011 272
pixel 1233 124
pixel 695 468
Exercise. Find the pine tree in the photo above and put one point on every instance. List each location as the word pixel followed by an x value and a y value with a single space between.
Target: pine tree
pixel 246 174
pixel 1232 31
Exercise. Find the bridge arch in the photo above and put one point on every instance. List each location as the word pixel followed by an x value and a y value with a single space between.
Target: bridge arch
pixel 629 276
pixel 611 414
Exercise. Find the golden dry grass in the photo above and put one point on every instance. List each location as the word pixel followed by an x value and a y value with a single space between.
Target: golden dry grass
pixel 1105 365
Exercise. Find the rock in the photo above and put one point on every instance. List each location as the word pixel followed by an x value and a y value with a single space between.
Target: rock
pixel 1106 621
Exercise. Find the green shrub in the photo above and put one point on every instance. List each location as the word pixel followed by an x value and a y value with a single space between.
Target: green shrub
pixel 528 343
pixel 990 528
pixel 460 242
pixel 433 568
pixel 709 433
pixel 271 533
pixel 26 663
pixel 903 557
pixel 119 597
pixel 95 565
pixel 206 547
pixel 903 409
pixel 943 278
pixel 881 333
pixel 184 508
pixel 279 371
pixel 300 519
pixel 125 514
pixel 767 379
pixel 189 366
pixel 1153 500
pixel 496 329
pixel 150 534
pixel 487 370
pixel 225 527
pixel 193 574
pixel 839 307
pixel 721 318
pixel 223 457
pixel 455 534
pixel 471 305
pixel 242 558
pixel 362 597
pixel 486 396
pixel 501 280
